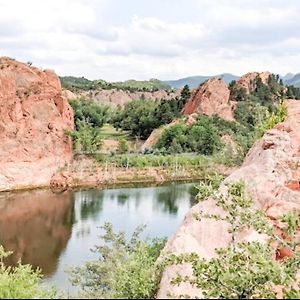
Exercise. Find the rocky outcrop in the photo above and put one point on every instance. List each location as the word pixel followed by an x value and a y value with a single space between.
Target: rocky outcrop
pixel 115 97
pixel 272 176
pixel 61 181
pixel 156 134
pixel 211 98
pixel 33 118
pixel 247 81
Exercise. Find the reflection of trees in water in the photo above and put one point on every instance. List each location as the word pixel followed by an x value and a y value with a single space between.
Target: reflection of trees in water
pixel 91 203
pixel 122 198
pixel 36 226
pixel 168 197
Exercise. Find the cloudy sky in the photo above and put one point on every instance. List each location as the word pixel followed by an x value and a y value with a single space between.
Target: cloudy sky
pixel 142 39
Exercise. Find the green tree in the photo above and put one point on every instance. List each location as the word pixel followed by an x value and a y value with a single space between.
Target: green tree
pixel 86 138
pixel 202 137
pixel 90 112
pixel 185 94
pixel 137 117
pixel 123 146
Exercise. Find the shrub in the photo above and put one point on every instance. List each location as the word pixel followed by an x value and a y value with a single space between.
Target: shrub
pixel 123 146
pixel 21 282
pixel 86 138
pixel 87 111
pixel 125 269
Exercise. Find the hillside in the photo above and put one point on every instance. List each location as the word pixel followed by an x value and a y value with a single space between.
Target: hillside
pixel 76 84
pixel 295 81
pixel 194 81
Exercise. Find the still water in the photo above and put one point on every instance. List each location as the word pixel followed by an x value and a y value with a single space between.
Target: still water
pixel 54 231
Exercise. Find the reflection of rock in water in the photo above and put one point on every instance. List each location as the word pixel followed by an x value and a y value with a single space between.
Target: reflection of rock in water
pixel 36 226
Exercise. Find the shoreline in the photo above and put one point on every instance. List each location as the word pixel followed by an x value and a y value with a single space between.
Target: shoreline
pixel 100 179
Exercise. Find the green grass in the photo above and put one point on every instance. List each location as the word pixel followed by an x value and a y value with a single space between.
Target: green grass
pixel 108 132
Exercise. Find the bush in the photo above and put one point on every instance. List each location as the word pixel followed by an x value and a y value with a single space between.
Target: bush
pixel 90 112
pixel 123 146
pixel 21 282
pixel 124 270
pixel 202 137
pixel 86 138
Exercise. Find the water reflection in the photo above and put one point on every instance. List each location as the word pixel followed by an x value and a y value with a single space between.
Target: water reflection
pixel 36 226
pixel 91 203
pixel 54 231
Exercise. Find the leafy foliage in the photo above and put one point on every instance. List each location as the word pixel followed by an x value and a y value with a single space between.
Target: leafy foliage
pixel 125 269
pixel 123 146
pixel 141 117
pixel 202 137
pixel 90 112
pixel 137 117
pixel 243 270
pixel 21 282
pixel 86 138
pixel 272 119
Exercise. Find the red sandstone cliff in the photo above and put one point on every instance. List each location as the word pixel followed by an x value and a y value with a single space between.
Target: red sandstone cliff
pixel 33 117
pixel 211 98
pixel 247 80
pixel 271 172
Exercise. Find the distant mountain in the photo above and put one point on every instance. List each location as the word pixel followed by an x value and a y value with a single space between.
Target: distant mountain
pixel 194 81
pixel 286 77
pixel 295 81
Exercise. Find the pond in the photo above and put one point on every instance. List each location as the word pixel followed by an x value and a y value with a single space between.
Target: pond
pixel 54 231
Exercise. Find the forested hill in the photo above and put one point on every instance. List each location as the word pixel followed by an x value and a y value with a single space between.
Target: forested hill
pixel 76 84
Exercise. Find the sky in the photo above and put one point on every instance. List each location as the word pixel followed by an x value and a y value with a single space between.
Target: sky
pixel 142 39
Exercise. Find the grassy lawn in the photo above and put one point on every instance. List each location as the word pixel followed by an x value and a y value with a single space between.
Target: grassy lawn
pixel 108 132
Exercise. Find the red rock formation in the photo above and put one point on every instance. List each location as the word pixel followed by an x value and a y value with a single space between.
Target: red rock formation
pixel 116 97
pixel 247 80
pixel 267 173
pixel 33 117
pixel 211 98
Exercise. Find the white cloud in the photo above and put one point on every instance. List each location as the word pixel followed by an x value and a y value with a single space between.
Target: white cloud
pixel 115 40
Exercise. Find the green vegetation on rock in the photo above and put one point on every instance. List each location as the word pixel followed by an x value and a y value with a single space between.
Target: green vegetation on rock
pixel 244 270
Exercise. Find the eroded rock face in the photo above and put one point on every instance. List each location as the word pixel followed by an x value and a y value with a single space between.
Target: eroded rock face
pixel 211 98
pixel 247 80
pixel 271 172
pixel 116 97
pixel 33 117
